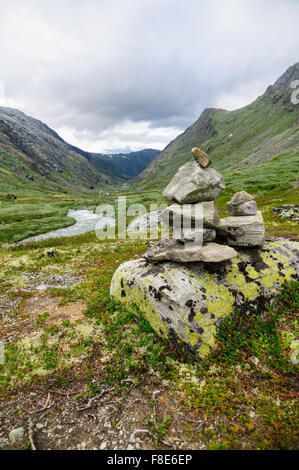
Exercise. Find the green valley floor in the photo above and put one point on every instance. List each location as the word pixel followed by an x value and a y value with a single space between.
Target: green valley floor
pixel 82 372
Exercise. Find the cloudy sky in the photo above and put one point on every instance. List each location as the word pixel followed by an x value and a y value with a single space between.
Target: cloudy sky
pixel 131 74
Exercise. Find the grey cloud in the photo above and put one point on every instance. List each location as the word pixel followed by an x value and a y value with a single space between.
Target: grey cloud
pixel 91 65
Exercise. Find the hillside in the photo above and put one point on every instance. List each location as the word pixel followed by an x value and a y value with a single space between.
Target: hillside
pixel 34 158
pixel 256 147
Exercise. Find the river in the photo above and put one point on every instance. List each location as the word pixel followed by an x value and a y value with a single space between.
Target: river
pixel 86 221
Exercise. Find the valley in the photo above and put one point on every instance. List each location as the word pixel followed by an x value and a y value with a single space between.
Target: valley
pixel 81 370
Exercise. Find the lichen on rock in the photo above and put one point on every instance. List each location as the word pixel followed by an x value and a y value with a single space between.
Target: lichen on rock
pixel 186 303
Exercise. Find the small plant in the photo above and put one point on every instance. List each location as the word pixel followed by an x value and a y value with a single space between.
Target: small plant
pixel 160 430
pixel 42 318
pixel 241 337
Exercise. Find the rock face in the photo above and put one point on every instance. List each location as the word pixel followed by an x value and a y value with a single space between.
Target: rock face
pixel 194 184
pixel 204 212
pixel 242 231
pixel 186 303
pixel 173 250
pixel 201 157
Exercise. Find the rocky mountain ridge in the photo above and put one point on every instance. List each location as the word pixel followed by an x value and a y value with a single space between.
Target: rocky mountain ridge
pixel 32 153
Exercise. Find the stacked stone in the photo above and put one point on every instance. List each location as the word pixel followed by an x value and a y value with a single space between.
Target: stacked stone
pixel 193 191
pixel 245 226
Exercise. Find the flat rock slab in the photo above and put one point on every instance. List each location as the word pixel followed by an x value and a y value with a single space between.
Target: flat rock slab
pixel 187 303
pixel 173 250
pixel 242 231
pixel 202 213
pixel 194 184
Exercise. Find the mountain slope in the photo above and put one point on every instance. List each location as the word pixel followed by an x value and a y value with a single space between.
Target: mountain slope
pixel 247 144
pixel 33 157
pixel 32 152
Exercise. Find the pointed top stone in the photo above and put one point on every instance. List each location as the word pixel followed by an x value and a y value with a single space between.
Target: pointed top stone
pixel 201 157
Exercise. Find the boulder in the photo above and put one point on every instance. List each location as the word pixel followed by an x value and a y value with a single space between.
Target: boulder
pixel 187 303
pixel 202 213
pixel 242 231
pixel 173 250
pixel 201 157
pixel 245 208
pixel 194 184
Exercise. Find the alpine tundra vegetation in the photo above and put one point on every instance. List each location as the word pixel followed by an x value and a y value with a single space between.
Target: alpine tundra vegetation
pixel 189 342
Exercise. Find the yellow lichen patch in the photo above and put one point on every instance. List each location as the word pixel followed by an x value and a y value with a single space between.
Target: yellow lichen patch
pixel 138 297
pixel 250 290
pixel 205 348
pixel 234 277
pixel 270 275
pixel 237 280
pixel 192 338
pixel 223 305
pixel 252 273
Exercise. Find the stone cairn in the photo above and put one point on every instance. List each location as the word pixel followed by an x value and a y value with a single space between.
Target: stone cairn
pixel 186 300
pixel 193 191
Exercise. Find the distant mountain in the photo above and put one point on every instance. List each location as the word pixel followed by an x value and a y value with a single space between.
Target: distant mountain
pixel 123 165
pixel 34 156
pixel 256 146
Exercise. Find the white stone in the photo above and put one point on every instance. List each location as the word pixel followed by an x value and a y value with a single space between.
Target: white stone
pixel 17 434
